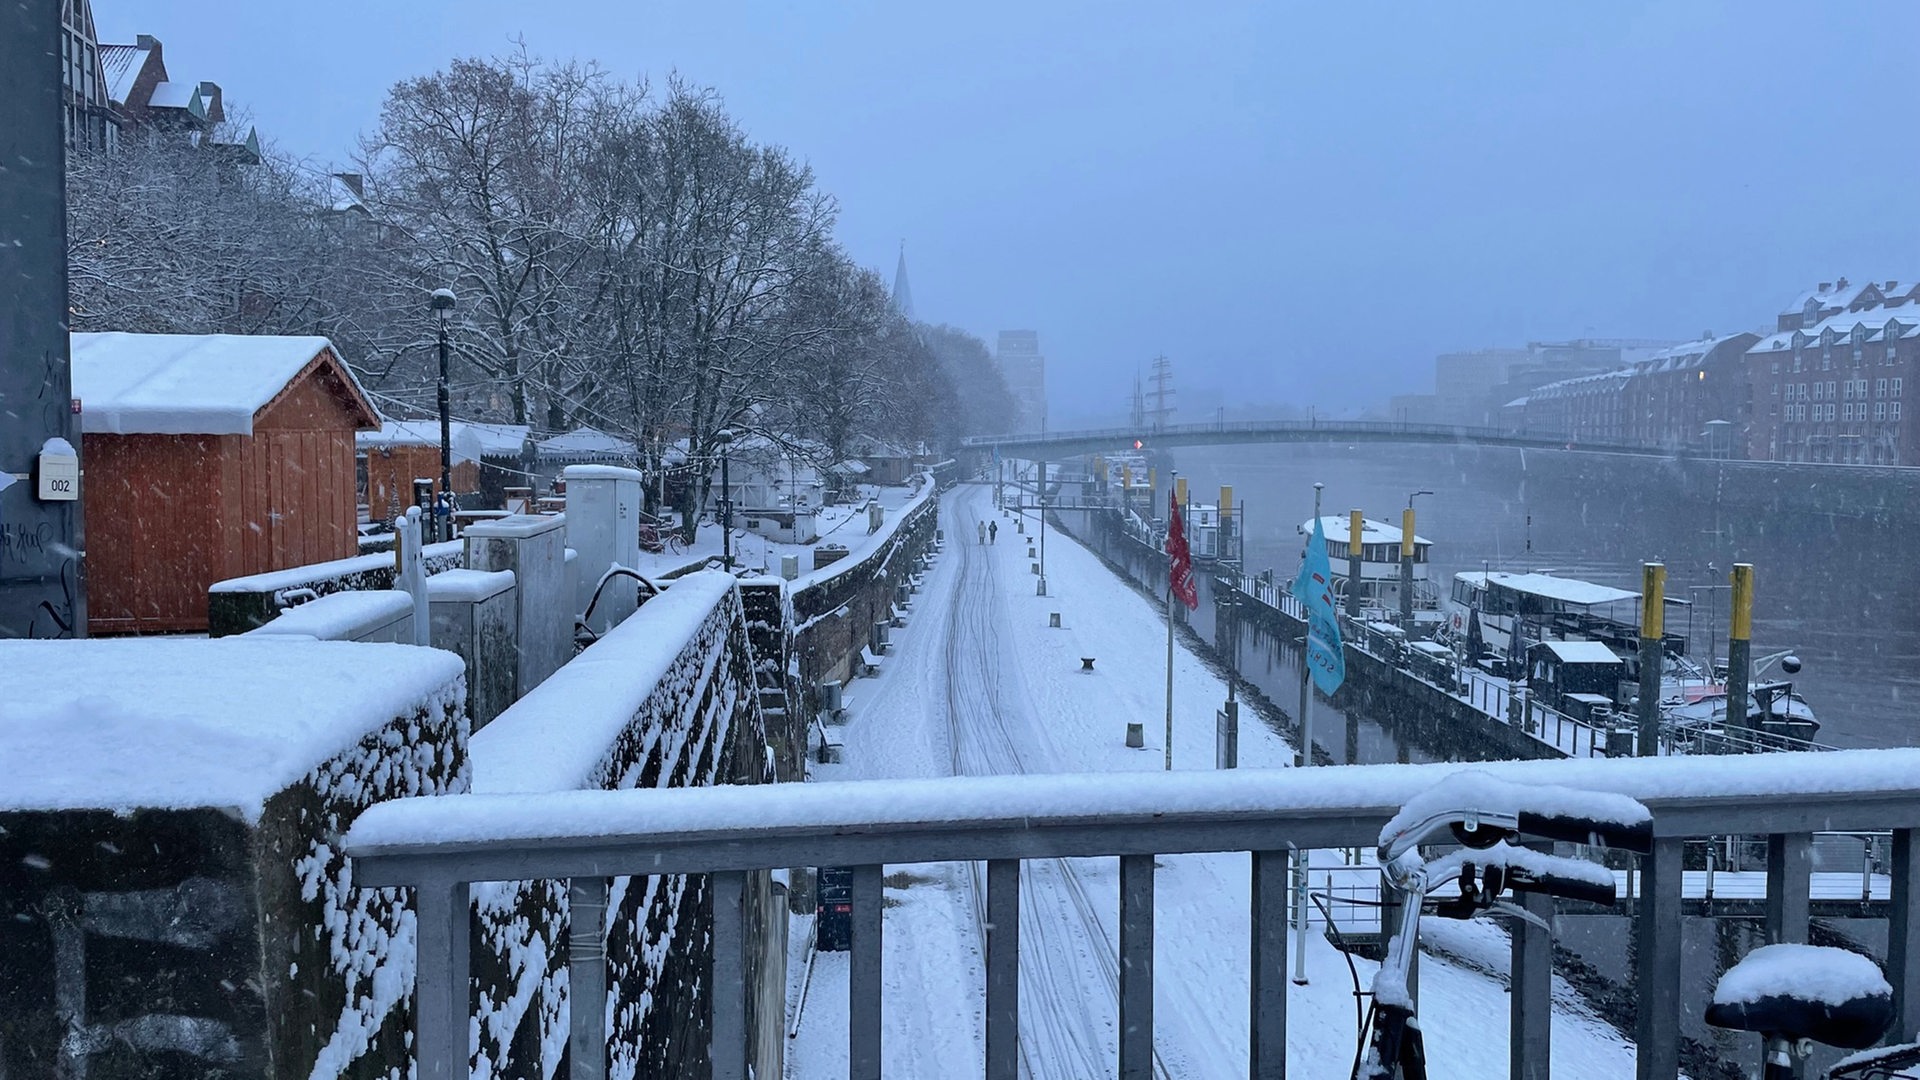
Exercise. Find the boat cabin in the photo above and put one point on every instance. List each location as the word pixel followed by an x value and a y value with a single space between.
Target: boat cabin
pixel 1579 678
pixel 1379 566
pixel 1544 607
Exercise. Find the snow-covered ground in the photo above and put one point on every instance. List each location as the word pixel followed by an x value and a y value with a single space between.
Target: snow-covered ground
pixel 845 525
pixel 979 682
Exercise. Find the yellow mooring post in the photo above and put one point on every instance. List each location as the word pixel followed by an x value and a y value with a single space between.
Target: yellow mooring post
pixel 1653 602
pixel 1740 644
pixel 1356 527
pixel 1230 528
pixel 1406 569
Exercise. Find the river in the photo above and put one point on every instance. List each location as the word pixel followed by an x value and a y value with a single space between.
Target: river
pixel 1842 593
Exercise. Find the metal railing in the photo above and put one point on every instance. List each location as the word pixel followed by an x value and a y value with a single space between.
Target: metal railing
pixel 1496 698
pixel 439 846
pixel 1241 429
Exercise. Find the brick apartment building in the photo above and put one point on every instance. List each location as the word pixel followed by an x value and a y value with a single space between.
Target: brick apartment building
pixel 1831 386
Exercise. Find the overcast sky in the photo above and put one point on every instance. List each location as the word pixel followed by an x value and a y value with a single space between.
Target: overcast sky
pixel 1301 202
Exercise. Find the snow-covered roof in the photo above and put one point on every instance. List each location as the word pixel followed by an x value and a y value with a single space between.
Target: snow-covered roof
pixel 1873 319
pixel 188 384
pixel 586 443
pixel 1839 296
pixel 137 722
pixel 176 95
pixel 1566 590
pixel 500 440
pixel 849 468
pixel 121 65
pixel 465 444
pixel 1371 532
pixel 1580 652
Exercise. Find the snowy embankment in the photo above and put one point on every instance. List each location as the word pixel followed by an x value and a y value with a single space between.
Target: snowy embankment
pixel 981 683
pixel 662 700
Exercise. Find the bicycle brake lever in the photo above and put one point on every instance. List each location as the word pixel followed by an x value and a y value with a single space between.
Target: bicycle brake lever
pixel 1518 912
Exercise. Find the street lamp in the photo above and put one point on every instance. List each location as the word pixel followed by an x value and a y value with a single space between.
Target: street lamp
pixel 724 438
pixel 442 303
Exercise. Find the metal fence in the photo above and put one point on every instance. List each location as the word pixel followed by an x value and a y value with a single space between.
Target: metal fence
pixel 439 846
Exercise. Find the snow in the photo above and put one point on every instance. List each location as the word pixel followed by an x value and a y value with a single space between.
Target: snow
pixel 178 723
pixel 298 576
pixel 185 384
pixel 1538 863
pixel 121 65
pixel 1371 532
pixel 1811 972
pixel 172 95
pixel 602 472
pixel 468 586
pixel 1580 652
pixel 339 616
pixel 465 444
pixel 1477 789
pixel 57 445
pixel 554 738
pixel 586 444
pixel 1565 590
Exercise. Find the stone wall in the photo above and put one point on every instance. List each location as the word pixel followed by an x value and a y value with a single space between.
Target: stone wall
pixel 686 715
pixel 221 940
pixel 832 617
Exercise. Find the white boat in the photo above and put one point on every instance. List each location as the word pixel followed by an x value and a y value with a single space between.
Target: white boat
pixel 1379 570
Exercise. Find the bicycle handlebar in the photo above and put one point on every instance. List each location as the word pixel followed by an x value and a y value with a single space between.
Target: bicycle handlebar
pixel 1535 880
pixel 1594 832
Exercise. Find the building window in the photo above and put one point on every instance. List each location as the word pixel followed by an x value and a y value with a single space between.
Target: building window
pixel 1776 367
pixel 1879 410
pixel 1893 386
pixel 1831 387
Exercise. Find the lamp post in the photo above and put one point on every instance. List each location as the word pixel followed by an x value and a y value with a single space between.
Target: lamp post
pixel 724 438
pixel 442 304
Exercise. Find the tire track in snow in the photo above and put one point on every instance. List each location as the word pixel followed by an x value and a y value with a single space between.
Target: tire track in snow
pixel 1059 920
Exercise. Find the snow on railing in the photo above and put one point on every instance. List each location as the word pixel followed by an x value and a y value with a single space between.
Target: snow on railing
pixel 726 833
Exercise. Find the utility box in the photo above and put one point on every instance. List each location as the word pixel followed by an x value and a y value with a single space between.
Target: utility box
pixel 789 566
pixel 603 525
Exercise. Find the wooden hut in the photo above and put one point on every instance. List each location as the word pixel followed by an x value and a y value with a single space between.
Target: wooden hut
pixel 403 451
pixel 208 457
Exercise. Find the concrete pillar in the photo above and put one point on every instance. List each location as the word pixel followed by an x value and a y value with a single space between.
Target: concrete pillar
pixel 603 526
pixel 42 578
pixel 534 548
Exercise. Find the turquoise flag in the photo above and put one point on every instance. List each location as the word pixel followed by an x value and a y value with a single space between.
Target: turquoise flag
pixel 1313 587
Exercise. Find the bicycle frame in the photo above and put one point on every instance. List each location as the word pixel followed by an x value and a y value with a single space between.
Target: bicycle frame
pixel 1396 1050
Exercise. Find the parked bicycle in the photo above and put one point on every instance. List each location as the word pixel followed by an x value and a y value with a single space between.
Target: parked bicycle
pixel 1792 995
pixel 1487 818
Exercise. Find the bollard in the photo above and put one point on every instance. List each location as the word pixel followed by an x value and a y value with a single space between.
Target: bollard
pixel 1040 587
pixel 1053 620
pixel 1035 566
pixel 1030 551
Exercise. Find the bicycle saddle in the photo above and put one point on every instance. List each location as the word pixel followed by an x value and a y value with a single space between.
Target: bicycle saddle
pixel 1831 996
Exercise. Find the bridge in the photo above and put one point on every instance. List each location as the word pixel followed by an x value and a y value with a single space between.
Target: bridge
pixel 1058 445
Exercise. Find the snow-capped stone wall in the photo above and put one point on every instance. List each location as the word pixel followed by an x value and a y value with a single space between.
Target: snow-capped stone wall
pixel 173 896
pixel 833 616
pixel 665 699
pixel 237 605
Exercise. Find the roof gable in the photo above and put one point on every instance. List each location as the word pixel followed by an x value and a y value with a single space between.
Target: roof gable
pixel 198 384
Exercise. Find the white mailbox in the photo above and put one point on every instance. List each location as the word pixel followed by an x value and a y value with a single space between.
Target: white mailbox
pixel 59 471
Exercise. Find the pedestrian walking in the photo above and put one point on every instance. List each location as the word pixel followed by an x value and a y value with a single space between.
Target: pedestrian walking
pixel 983 532
pixel 993 532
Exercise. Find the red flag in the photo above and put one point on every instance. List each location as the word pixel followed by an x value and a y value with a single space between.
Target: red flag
pixel 1180 568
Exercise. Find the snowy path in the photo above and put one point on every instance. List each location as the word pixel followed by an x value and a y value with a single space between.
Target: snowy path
pixel 980 683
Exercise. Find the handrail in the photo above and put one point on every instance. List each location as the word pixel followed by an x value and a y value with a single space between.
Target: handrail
pixel 439 845
pixel 1309 427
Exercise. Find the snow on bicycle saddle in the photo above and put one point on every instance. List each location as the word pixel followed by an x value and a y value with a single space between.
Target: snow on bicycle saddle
pixel 1813 992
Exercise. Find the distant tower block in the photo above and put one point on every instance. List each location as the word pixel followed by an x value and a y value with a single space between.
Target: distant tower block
pixel 1025 372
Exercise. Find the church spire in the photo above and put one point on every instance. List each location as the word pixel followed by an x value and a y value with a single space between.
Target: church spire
pixel 902 292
